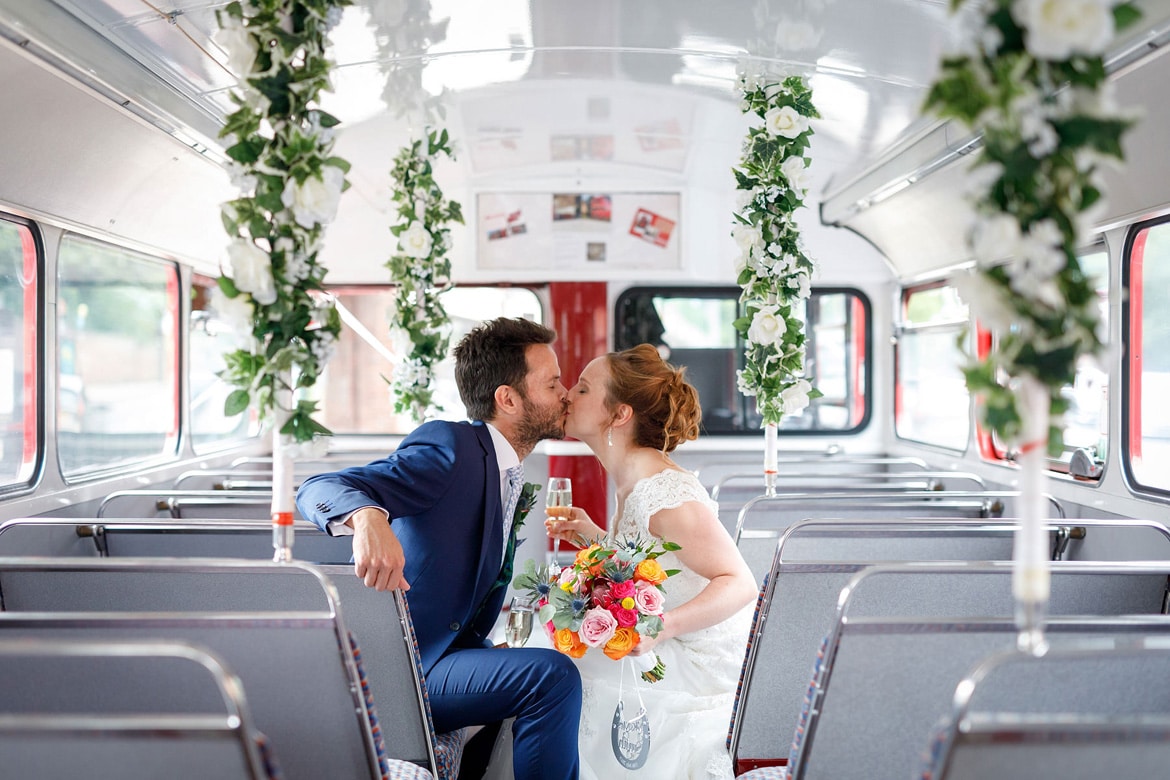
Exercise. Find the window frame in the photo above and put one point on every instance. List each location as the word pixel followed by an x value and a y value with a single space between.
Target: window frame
pixel 902 327
pixel 1131 394
pixel 35 348
pixel 864 349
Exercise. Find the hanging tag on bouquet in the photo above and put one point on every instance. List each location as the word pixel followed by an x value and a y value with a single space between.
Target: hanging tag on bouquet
pixel 630 737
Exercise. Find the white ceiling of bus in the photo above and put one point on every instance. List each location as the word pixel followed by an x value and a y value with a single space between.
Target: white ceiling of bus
pixel 608 91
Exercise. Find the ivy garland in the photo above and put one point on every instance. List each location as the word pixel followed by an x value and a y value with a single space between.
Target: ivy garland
pixel 1031 81
pixel 419 326
pixel 772 267
pixel 280 144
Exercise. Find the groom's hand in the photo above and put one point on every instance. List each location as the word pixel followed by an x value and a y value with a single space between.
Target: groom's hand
pixel 378 558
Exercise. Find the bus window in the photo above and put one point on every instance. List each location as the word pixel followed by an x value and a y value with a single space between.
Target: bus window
pixel 211 337
pixel 931 401
pixel 117 357
pixel 1087 418
pixel 693 328
pixel 19 283
pixel 354 391
pixel 1147 362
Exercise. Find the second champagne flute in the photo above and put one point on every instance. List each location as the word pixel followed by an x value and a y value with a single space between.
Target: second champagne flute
pixel 559 503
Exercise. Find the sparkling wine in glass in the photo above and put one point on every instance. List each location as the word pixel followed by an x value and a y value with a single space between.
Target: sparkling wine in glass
pixel 558 502
pixel 519 625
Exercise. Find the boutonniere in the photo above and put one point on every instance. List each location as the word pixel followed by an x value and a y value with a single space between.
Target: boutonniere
pixel 524 504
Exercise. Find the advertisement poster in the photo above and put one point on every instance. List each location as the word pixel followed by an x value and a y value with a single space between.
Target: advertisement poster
pixel 585 231
pixel 652 227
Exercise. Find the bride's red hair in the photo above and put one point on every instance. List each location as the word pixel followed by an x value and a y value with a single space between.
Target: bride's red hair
pixel 666 406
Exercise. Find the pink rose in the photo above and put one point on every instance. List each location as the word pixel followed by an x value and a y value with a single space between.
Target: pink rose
pixel 570 580
pixel 625 617
pixel 649 599
pixel 622 590
pixel 597 627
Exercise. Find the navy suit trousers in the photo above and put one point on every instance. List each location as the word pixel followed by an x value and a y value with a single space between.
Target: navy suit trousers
pixel 538 687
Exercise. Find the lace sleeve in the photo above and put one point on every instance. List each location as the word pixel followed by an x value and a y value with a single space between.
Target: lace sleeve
pixel 664 490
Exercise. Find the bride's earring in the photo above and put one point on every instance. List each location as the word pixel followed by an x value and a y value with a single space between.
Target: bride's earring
pixel 609 436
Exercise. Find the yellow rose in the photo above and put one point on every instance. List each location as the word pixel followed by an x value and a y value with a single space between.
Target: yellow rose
pixel 623 641
pixel 650 571
pixel 567 642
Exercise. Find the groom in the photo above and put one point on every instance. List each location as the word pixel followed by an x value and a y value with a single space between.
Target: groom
pixel 431 519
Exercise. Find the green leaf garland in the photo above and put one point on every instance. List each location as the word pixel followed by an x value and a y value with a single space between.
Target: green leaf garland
pixel 280 144
pixel 1031 81
pixel 419 325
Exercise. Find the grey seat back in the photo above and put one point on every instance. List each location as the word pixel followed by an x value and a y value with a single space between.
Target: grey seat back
pixel 113 710
pixel 278 626
pixel 142 538
pixel 1060 749
pixel 381 623
pixel 1083 711
pixel 803 601
pixel 887 682
pixel 297 675
pixel 162 585
pixel 984 589
pixel 178 503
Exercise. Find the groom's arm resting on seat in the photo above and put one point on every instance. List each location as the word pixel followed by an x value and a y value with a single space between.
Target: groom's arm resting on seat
pixel 378 558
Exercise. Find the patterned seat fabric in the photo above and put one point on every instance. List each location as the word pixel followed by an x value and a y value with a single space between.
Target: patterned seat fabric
pixel 931 757
pixel 390 768
pixel 449 746
pixel 267 757
pixel 810 694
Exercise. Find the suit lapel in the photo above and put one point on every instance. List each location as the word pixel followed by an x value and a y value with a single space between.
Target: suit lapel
pixel 493 519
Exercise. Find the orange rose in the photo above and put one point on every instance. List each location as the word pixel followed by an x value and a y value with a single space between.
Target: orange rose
pixel 650 571
pixel 593 566
pixel 567 642
pixel 623 641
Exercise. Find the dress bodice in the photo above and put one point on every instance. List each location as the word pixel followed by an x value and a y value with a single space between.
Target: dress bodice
pixel 666 490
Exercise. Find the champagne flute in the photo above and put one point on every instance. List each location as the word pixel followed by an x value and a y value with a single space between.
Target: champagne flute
pixel 558 502
pixel 519 625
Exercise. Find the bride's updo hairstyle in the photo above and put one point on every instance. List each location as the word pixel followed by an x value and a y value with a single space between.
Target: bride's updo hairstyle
pixel 665 405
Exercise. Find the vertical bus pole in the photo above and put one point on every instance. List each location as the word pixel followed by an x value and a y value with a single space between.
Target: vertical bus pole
pixel 282 475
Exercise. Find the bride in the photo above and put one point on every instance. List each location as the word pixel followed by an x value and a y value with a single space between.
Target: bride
pixel 633 409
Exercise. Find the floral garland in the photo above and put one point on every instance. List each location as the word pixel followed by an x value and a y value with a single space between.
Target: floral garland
pixel 772 267
pixel 404 31
pixel 1031 80
pixel 280 145
pixel 419 326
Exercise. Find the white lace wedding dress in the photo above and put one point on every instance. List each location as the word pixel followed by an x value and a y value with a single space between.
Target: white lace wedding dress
pixel 690 709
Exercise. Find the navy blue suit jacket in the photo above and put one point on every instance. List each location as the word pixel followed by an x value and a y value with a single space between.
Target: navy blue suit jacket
pixel 442 490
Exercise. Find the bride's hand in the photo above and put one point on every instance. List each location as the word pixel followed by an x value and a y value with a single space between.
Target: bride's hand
pixel 646 644
pixel 577 528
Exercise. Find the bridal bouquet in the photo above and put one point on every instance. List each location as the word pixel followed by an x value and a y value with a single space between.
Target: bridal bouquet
pixel 610 597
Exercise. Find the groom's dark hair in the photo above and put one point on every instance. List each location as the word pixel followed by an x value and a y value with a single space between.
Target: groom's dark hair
pixel 491 355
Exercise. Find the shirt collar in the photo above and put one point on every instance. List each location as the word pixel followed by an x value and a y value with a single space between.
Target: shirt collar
pixel 506 457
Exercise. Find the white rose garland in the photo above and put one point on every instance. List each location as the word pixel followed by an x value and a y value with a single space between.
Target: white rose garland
pixel 280 145
pixel 1031 80
pixel 772 267
pixel 419 326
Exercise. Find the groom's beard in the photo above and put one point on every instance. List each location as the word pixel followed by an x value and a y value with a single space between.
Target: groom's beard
pixel 541 422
